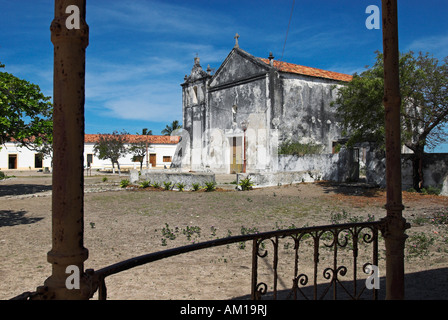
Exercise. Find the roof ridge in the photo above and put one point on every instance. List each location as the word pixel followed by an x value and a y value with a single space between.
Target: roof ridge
pixel 134 138
pixel 308 71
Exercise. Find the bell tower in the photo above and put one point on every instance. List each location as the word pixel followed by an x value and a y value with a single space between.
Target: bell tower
pixel 195 111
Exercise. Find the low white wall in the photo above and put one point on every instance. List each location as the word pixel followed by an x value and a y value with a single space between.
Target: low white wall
pixel 337 167
pixel 161 176
pixel 435 170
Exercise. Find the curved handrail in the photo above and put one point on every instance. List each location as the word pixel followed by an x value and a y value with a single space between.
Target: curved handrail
pixel 100 275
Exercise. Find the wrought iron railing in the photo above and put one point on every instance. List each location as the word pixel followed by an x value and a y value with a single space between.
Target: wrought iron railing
pixel 342 241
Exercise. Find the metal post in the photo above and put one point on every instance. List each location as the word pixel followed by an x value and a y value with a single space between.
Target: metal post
pixel 68 145
pixel 394 232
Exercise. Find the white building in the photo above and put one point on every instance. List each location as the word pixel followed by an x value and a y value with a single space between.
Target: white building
pixel 160 152
pixel 14 157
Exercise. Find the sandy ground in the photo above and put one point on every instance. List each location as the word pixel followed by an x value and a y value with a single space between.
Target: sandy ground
pixel 121 224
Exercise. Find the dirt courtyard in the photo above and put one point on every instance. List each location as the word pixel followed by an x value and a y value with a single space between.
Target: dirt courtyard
pixel 121 224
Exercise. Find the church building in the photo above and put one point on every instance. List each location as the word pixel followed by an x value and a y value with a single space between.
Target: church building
pixel 236 118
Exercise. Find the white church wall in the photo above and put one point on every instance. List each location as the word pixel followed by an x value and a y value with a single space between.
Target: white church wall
pixel 307 115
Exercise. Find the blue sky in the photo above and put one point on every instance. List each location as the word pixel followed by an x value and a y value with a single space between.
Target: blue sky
pixel 140 50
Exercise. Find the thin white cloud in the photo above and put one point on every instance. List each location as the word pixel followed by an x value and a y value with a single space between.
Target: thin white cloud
pixel 436 45
pixel 144 107
pixel 144 84
pixel 158 17
pixel 138 90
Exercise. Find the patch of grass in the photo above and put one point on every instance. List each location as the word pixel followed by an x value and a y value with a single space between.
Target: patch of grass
pixel 440 218
pixel 428 190
pixel 418 245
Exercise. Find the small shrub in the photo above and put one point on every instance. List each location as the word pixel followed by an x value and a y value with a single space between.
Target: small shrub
pixel 104 179
pixel 431 190
pixel 210 186
pixel 2 175
pixel 190 231
pixel 296 148
pixel 124 183
pixel 169 233
pixel 156 185
pixel 167 185
pixel 196 186
pixel 145 184
pixel 246 184
pixel 181 186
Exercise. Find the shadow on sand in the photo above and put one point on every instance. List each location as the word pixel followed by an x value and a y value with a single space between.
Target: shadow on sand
pixel 9 218
pixel 424 285
pixel 351 188
pixel 22 189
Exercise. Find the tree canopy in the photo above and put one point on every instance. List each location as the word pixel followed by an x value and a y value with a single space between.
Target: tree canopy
pixel 111 147
pixel 138 150
pixel 26 113
pixel 424 105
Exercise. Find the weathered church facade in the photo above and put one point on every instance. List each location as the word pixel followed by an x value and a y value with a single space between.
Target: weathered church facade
pixel 235 119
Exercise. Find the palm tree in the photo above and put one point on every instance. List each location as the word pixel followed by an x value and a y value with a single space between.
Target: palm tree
pixel 170 128
pixel 146 132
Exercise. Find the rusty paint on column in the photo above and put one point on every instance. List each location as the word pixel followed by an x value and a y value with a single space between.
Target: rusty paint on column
pixel 68 149
pixel 396 225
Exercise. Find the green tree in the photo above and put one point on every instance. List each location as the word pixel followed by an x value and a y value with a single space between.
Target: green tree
pixel 171 128
pixel 26 113
pixel 112 147
pixel 138 150
pixel 424 107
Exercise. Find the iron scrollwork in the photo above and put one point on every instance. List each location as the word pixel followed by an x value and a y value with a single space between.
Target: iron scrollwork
pixel 340 240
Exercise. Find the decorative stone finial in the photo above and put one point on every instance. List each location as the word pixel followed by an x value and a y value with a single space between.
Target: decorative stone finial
pixel 236 40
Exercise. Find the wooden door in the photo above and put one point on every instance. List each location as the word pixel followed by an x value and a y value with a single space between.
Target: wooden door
pixel 12 161
pixel 153 160
pixel 236 156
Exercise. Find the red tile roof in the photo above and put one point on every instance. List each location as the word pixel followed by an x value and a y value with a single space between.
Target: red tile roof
pixel 308 71
pixel 133 138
